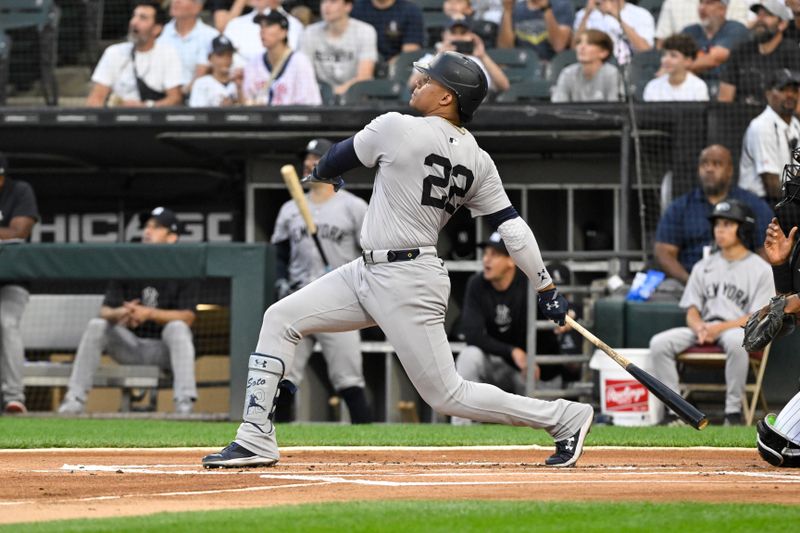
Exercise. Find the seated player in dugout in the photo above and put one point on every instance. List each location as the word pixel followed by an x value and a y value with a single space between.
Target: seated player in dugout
pixel 338 217
pixel 142 322
pixel 495 326
pixel 723 290
pixel 778 436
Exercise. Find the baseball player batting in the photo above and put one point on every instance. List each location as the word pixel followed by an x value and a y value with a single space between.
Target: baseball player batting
pixel 338 218
pixel 427 168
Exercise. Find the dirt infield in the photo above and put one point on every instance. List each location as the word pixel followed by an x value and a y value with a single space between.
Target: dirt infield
pixel 58 484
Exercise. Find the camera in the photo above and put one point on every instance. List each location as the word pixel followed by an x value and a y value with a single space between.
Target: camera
pixel 464 47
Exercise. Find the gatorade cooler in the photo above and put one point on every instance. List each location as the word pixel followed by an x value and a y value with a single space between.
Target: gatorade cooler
pixel 623 398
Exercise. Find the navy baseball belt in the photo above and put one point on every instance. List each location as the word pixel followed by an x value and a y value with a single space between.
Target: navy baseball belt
pixel 372 257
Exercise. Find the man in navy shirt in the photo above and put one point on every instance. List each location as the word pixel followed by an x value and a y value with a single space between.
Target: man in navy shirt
pixel 398 23
pixel 18 214
pixel 684 228
pixel 715 37
pixel 543 25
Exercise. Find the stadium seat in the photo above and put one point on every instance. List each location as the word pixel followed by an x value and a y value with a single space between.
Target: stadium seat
pixel 326 92
pixel 368 91
pixel 428 6
pixel 434 22
pixel 643 68
pixel 713 356
pixel 653 6
pixel 403 63
pixel 44 16
pixel 517 63
pixel 560 61
pixel 526 91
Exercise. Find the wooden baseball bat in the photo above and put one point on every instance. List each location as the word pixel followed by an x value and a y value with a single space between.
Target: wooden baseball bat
pixel 292 181
pixel 672 399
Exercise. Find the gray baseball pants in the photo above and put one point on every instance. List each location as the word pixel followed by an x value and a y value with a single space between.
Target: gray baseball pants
pixel 665 346
pixel 473 364
pixel 342 352
pixel 175 351
pixel 13 300
pixel 408 301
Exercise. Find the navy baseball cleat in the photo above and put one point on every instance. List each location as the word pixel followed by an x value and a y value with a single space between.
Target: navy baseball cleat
pixel 569 450
pixel 234 456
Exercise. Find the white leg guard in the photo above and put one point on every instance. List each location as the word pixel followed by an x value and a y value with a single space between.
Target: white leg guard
pixel 264 376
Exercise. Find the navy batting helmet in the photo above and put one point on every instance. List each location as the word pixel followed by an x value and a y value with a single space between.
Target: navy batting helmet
pixel 461 75
pixel 740 212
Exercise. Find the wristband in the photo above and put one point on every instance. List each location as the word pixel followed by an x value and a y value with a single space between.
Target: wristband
pixel 782 274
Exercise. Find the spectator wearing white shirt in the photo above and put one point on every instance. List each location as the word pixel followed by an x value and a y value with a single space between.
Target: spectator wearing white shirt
pixel 675 15
pixel 246 36
pixel 631 27
pixel 141 72
pixel 280 76
pixel 343 50
pixel 217 89
pixel 190 37
pixel 771 137
pixel 677 84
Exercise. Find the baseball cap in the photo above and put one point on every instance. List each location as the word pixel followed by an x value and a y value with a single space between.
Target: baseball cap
pixel 560 273
pixel 780 78
pixel 776 7
pixel 273 17
pixel 495 242
pixel 222 45
pixel 318 147
pixel 459 22
pixel 164 217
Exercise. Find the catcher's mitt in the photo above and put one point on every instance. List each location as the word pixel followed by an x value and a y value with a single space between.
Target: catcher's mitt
pixel 766 324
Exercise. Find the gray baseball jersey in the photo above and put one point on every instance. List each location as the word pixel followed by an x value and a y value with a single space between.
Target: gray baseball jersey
pixel 338 220
pixel 727 290
pixel 449 170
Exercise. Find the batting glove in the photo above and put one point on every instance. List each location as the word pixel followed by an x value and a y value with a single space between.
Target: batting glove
pixel 337 182
pixel 553 306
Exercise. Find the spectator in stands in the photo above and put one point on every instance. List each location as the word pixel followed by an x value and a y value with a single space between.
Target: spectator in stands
pixel 771 137
pixel 723 290
pixel 190 37
pixel 629 26
pixel 458 37
pixel 217 89
pixel 494 321
pixel 398 23
pixel 677 83
pixel 343 50
pixel 542 25
pixel 224 11
pixel 141 72
pixel 142 323
pixel 280 76
pixel 743 76
pixel 246 36
pixel 676 15
pixel 18 214
pixel 792 33
pixel 592 78
pixel 684 231
pixel 716 36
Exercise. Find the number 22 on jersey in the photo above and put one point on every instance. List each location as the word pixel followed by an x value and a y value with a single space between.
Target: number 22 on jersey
pixel 449 199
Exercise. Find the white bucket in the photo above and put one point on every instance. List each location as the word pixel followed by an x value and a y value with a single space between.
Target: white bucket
pixel 623 398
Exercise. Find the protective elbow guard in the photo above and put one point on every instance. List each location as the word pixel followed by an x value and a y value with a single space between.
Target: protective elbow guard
pixel 263 377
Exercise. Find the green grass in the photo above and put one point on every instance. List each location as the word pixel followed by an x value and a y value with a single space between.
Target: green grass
pixel 86 433
pixel 465 516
